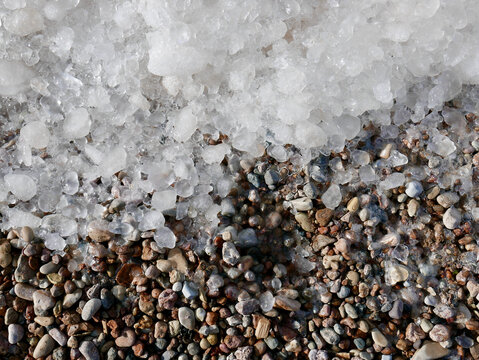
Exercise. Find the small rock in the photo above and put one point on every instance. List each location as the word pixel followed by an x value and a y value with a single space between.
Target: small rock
pixel 302 204
pixel 44 347
pixel 23 271
pixel 430 351
pixel 186 316
pixel 378 338
pixel 58 336
pixel 397 309
pixel 452 218
pixel 15 333
pixel 286 303
pixel 89 350
pixel 330 336
pixel 396 273
pixel 90 309
pixel 440 333
pixel 178 260
pixel 447 199
pixel 353 204
pixel 247 307
pixel 262 328
pixel 42 301
pixel 70 299
pixel 26 233
pixel 412 207
pixel 321 241
pixel 324 216
pixel 304 221
pixel 414 189
pixel 126 339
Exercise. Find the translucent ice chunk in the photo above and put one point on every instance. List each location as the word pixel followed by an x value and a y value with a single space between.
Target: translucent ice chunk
pixel 76 124
pixel 441 145
pixel 14 77
pixel 54 241
pixel 151 220
pixel 164 200
pixel 393 181
pixel 332 197
pixel 165 238
pixel 20 185
pixel 35 134
pixel 24 21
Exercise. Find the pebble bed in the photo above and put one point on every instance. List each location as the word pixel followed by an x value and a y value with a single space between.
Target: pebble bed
pixel 369 253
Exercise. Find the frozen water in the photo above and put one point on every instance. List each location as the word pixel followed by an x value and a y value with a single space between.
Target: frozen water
pixel 54 241
pixel 151 220
pixel 165 238
pixel 77 124
pixel 332 197
pixel 164 200
pixel 21 185
pixel 14 77
pixel 35 134
pixel 393 181
pixel 441 145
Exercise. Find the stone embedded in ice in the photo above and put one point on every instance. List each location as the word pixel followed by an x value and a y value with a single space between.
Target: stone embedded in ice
pixel 441 145
pixel 164 200
pixel 54 241
pixel 20 185
pixel 14 77
pixel 76 124
pixel 165 238
pixel 35 134
pixel 393 181
pixel 168 57
pixel 332 197
pixel 184 125
pixel 24 21
pixel 113 161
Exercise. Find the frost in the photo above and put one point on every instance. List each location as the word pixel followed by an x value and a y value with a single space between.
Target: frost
pixel 20 185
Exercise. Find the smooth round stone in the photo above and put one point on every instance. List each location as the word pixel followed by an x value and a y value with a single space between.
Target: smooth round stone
pixel 330 336
pixel 24 291
pixel 126 339
pixel 414 189
pixel 42 301
pixel 396 310
pixel 186 316
pixel 70 299
pixel 200 314
pixel 15 333
pixel 452 218
pixel 58 336
pixel 378 338
pixel 89 350
pixel 44 346
pixel 90 309
pixel 430 351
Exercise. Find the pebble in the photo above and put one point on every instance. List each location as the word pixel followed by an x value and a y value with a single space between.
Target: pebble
pixel 23 272
pixel 304 221
pixel 351 311
pixel 452 218
pixel 414 189
pixel 90 309
pixel 126 339
pixel 58 336
pixel 302 204
pixel 324 216
pixel 11 316
pixel 379 338
pixel 430 351
pixel 447 199
pixel 186 316
pixel 440 333
pixel 189 290
pixel 396 273
pixel 412 207
pixel 286 303
pixel 89 350
pixel 26 233
pixel 353 204
pixel 70 299
pixel 44 346
pixel 15 333
pixel 330 336
pixel 42 301
pixel 396 310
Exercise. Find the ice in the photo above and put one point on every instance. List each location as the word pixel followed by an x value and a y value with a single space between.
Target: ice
pixel 164 200
pixel 113 161
pixel 70 183
pixel 77 124
pixel 397 159
pixel 441 145
pixel 24 21
pixel 367 174
pixel 54 241
pixel 184 125
pixel 35 134
pixel 215 153
pixel 393 181
pixel 360 157
pixel 332 197
pixel 14 77
pixel 266 301
pixel 165 238
pixel 21 185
